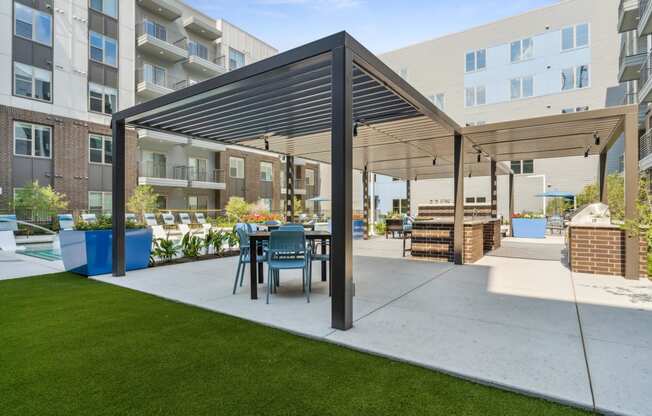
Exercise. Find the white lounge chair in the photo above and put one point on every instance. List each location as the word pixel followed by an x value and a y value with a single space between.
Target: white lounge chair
pixel 185 226
pixel 150 219
pixel 66 221
pixel 172 229
pixel 130 217
pixel 8 225
pixel 202 220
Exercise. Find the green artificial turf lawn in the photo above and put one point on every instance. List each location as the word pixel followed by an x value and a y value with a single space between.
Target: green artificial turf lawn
pixel 69 345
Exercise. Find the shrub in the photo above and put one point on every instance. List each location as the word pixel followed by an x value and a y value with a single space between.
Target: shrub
pixel 191 245
pixel 104 222
pixel 236 208
pixel 165 249
pixel 143 200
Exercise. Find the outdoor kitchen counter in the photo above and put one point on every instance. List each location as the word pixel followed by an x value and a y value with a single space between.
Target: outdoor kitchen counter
pixel 433 238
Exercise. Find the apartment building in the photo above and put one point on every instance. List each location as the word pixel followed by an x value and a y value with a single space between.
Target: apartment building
pixel 72 63
pixel 635 69
pixel 552 60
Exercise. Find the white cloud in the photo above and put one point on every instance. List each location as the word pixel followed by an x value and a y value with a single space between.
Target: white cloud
pixel 321 4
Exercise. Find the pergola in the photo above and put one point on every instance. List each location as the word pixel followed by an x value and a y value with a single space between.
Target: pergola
pixel 333 101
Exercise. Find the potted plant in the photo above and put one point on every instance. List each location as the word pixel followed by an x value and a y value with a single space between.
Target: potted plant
pixel 87 250
pixel 529 225
pixel 393 223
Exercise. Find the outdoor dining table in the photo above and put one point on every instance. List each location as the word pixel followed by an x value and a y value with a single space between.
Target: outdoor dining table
pixel 255 242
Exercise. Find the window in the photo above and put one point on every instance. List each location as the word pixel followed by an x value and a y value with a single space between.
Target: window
pixel 481 200
pixel 155 74
pixel 154 165
pixel 267 203
pixel 198 202
pixel 236 59
pixel 236 167
pixel 103 49
pixel 99 202
pixel 521 87
pixel 32 140
pixel 108 7
pixel 575 77
pixel 522 166
pixel 102 99
pixel 161 202
pixel 100 149
pixel 400 206
pixel 154 29
pixel 437 100
pixel 475 96
pixel 476 60
pixel 266 170
pixel 197 49
pixel 32 82
pixel 469 200
pixel 521 50
pixel 574 37
pixel 197 169
pixel 310 177
pixel 32 24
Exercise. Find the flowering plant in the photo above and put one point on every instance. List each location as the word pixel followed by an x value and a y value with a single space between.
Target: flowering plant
pixel 527 215
pixel 260 217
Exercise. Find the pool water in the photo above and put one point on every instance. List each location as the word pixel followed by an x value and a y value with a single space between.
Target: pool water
pixel 42 251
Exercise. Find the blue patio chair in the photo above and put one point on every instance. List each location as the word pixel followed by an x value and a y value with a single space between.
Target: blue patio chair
pixel 289 227
pixel 314 255
pixel 243 258
pixel 287 251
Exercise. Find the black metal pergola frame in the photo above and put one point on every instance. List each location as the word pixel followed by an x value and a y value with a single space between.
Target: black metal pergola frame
pixel 343 87
pixel 335 102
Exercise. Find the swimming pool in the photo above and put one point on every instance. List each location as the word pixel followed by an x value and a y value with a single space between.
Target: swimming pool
pixel 42 251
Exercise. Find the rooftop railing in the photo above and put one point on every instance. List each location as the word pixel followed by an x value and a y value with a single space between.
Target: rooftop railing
pixel 191 173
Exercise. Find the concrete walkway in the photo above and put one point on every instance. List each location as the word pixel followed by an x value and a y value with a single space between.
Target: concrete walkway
pixel 14 265
pixel 526 325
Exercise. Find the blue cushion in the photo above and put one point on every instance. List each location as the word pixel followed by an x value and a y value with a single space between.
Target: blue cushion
pixel 287 263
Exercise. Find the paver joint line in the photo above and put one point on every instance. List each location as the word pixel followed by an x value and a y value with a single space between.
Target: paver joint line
pixel 586 358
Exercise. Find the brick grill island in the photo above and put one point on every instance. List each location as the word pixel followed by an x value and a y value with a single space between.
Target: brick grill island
pixel 433 238
pixel 600 249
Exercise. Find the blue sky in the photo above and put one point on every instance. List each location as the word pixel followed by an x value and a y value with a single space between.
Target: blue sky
pixel 381 25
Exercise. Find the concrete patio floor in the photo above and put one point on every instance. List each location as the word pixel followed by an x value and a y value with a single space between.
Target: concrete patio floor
pixel 526 325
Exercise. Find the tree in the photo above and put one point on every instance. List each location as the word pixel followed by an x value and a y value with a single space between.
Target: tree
pixel 615 195
pixel 40 200
pixel 143 200
pixel 237 208
pixel 298 205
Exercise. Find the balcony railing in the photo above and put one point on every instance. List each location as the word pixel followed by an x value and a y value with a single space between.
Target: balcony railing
pixel 162 33
pixel 627 14
pixel 153 170
pixel 643 6
pixel 190 173
pixel 645 145
pixel 160 78
pixel 646 71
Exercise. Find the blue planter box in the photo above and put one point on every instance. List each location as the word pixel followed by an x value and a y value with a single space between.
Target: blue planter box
pixel 89 253
pixel 529 227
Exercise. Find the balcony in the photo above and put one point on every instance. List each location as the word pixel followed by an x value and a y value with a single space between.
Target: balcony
pixel 645 22
pixel 202 179
pixel 644 83
pixel 202 28
pixel 152 83
pixel 158 138
pixel 163 8
pixel 633 52
pixel 628 15
pixel 204 65
pixel 645 151
pixel 299 187
pixel 157 174
pixel 156 40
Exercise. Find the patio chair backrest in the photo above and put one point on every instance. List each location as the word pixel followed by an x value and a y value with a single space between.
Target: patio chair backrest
pixel 8 223
pixel 88 218
pixel 290 227
pixel 168 219
pixel 287 241
pixel 243 236
pixel 200 218
pixel 150 219
pixel 185 218
pixel 274 222
pixel 66 221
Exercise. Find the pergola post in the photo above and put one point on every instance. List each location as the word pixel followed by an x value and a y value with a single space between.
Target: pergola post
pixel 342 185
pixel 408 197
pixel 511 204
pixel 118 199
pixel 631 194
pixel 458 197
pixel 494 189
pixel 365 201
pixel 289 188
pixel 602 177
